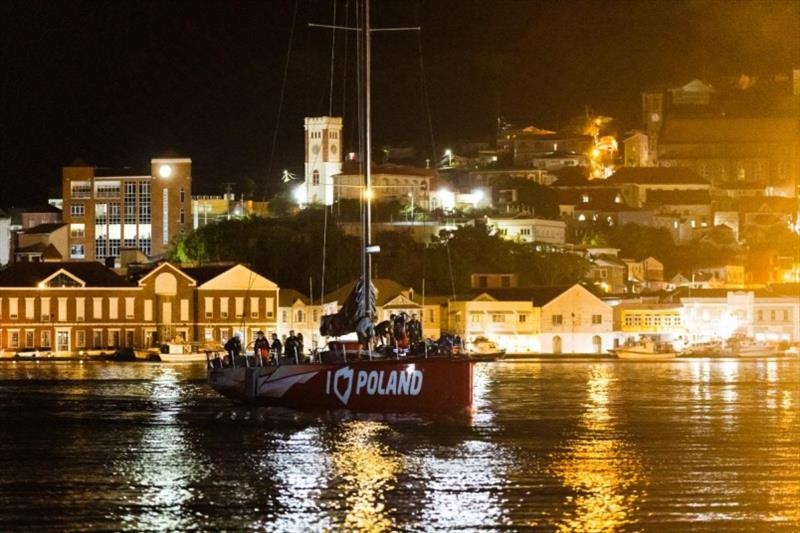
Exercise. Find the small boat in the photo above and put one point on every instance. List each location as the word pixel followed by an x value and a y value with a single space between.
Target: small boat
pixel 792 351
pixel 704 349
pixel 482 349
pixel 749 348
pixel 185 353
pixel 647 350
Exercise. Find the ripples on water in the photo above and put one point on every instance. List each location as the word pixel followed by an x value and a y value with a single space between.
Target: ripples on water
pixel 559 446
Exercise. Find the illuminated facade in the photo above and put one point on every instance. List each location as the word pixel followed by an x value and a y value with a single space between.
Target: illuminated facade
pixel 719 314
pixel 68 307
pixel 323 159
pixel 110 210
pixel 635 319
pixel 576 321
pixel 512 324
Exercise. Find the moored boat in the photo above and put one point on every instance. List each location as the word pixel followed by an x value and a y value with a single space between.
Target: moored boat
pixel 482 349
pixel 647 350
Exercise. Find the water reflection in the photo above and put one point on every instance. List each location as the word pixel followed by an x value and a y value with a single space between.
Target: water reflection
pixel 599 466
pixel 162 467
pixel 364 470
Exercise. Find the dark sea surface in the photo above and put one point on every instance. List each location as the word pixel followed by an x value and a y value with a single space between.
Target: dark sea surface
pixel 704 445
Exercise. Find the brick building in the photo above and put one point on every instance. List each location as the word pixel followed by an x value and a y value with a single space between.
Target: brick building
pixel 67 307
pixel 108 210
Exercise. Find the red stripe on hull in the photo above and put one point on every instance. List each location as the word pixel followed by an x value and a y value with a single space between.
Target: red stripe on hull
pixel 408 386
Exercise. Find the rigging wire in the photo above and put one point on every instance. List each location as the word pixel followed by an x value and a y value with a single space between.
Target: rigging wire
pixel 283 90
pixel 333 60
pixel 424 85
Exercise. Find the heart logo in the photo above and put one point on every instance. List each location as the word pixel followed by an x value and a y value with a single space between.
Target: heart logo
pixel 343 374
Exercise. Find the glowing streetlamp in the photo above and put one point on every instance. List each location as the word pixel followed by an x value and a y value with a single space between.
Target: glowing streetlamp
pixel 165 171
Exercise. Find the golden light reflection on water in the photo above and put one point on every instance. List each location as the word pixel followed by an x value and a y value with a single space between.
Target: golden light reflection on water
pixel 164 465
pixel 786 496
pixel 598 466
pixel 365 470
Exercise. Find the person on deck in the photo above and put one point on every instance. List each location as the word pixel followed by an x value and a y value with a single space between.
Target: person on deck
pixel 300 348
pixel 233 347
pixel 414 328
pixel 276 346
pixel 290 348
pixel 261 347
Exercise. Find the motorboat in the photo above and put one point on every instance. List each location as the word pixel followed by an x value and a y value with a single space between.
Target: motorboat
pixel 483 349
pixel 646 350
pixel 751 348
pixel 366 380
pixel 704 349
pixel 185 353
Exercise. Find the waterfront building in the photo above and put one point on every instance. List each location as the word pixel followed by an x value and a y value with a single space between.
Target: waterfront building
pixel 110 209
pixel 74 306
pixel 508 318
pixel 575 321
pixel 766 315
pixel 636 319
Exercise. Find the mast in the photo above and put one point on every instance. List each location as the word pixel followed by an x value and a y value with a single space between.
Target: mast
pixel 366 259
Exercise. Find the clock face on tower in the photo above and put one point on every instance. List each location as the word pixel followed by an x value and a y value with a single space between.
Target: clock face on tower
pixel 333 149
pixel 315 149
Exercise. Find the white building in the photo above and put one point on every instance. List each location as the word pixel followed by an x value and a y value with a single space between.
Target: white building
pixel 529 229
pixel 765 316
pixel 296 313
pixel 576 321
pixel 323 159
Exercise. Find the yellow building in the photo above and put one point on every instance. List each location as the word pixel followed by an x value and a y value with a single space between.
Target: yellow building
pixel 633 319
pixel 511 323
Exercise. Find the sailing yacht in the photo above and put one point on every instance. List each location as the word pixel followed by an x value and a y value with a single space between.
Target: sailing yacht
pixel 362 379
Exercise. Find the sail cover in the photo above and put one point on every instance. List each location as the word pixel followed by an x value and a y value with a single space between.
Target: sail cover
pixel 354 315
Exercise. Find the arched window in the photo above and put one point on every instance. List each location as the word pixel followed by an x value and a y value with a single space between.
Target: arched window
pixel 315 177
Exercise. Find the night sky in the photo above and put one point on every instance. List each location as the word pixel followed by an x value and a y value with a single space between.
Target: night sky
pixel 116 83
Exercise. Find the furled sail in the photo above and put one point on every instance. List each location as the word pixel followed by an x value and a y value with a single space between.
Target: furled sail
pixel 354 315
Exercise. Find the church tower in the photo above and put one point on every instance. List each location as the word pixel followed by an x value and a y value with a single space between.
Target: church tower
pixel 323 157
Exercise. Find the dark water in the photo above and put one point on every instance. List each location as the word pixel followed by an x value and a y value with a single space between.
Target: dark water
pixel 564 446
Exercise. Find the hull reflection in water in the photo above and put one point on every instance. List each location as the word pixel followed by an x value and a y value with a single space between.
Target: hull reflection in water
pixel 391 386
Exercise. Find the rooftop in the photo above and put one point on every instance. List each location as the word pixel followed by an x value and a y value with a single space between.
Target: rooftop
pixel 44 228
pixel 31 274
pixel 656 176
